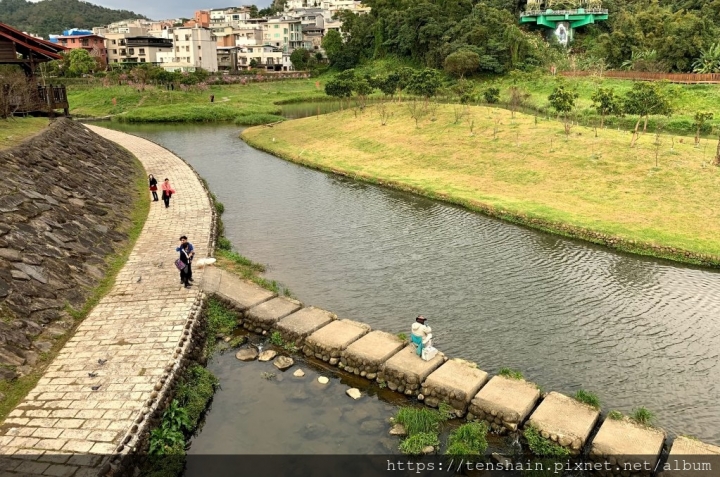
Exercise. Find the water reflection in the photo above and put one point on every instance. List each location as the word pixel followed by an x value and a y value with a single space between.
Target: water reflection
pixel 635 330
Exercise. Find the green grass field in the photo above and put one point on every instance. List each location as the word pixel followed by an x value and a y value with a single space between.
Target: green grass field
pixel 13 131
pixel 241 103
pixel 596 188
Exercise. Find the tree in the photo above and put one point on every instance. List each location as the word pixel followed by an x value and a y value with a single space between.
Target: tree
pixel 424 83
pixel 700 119
pixel 78 62
pixel 341 86
pixel 332 44
pixel 709 60
pixel 464 90
pixel 491 95
pixel 563 101
pixel 644 99
pixel 462 62
pixel 253 63
pixel 605 102
pixel 389 84
pixel 300 58
pixel 363 89
pixel 517 98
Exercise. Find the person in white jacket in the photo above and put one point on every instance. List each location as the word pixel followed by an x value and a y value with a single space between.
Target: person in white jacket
pixel 421 334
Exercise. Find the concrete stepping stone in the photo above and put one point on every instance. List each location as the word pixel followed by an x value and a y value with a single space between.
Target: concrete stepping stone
pixel 267 355
pixel 688 457
pixel 455 383
pixel 564 421
pixel 504 403
pixel 628 445
pixel 283 362
pixel 247 354
pixel 242 294
pixel 263 317
pixel 366 356
pixel 331 340
pixel 296 327
pixel 405 371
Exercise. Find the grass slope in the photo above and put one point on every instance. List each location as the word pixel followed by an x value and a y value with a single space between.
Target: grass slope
pixel 241 103
pixel 593 188
pixel 13 131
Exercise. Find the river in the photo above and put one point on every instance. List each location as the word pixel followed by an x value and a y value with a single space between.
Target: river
pixel 570 315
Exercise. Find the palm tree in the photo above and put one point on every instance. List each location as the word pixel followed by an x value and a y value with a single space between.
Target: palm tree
pixel 709 61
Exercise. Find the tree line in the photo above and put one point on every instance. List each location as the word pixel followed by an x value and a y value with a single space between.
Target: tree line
pixel 642 35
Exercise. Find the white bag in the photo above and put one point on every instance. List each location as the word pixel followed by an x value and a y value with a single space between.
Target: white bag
pixel 429 353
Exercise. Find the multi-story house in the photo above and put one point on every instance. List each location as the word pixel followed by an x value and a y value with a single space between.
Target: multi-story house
pixel 283 32
pixel 247 34
pixel 93 44
pixel 227 58
pixel 192 48
pixel 268 57
pixel 140 49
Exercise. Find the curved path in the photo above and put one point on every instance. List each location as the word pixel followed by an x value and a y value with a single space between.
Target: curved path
pixel 138 327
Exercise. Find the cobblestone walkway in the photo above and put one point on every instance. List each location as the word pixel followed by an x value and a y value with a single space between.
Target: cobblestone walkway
pixel 111 370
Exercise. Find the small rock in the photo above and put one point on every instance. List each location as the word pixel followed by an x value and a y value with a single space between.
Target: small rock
pixel 247 354
pixel 428 450
pixel 398 430
pixel 267 355
pixel 18 275
pixel 323 380
pixel 283 362
pixel 43 346
pixel 354 393
pixel 226 339
pixel 299 373
pixel 334 361
pixel 10 254
pixel 421 397
pixel 507 463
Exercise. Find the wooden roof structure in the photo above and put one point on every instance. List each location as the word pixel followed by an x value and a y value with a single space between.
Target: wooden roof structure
pixel 18 48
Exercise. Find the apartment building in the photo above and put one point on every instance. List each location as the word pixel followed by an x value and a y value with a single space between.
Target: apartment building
pixel 139 49
pixel 93 44
pixel 268 57
pixel 192 48
pixel 283 32
pixel 248 34
pixel 128 27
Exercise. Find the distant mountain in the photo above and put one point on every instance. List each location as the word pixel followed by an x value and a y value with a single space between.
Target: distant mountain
pixel 54 16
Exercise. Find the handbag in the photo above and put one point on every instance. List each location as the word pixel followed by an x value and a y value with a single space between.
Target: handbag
pixel 180 264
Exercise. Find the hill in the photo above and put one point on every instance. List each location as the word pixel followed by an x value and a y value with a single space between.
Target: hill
pixel 54 16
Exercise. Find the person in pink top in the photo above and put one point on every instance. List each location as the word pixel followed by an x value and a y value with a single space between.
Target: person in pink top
pixel 167 192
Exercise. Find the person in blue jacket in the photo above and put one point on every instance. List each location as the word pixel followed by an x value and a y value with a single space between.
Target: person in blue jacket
pixel 191 254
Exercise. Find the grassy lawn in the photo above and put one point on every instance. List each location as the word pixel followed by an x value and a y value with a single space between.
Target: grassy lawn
pixel 13 131
pixel 594 188
pixel 243 103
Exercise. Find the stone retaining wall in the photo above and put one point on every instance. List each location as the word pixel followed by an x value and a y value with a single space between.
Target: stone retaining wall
pixel 66 196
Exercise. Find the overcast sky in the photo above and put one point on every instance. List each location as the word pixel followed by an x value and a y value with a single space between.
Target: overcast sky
pixel 161 9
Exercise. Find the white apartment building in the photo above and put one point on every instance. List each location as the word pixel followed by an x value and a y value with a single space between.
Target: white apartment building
pixel 267 57
pixel 283 32
pixel 248 35
pixel 229 16
pixel 192 48
pixel 128 27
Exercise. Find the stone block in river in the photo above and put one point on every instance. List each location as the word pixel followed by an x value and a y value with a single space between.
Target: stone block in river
pixel 564 420
pixel 405 371
pixel 301 324
pixel 688 457
pixel 504 403
pixel 628 446
pixel 366 356
pixel 455 383
pixel 241 293
pixel 330 341
pixel 265 316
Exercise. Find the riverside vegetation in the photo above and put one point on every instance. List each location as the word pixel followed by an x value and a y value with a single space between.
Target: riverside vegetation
pixel 651 199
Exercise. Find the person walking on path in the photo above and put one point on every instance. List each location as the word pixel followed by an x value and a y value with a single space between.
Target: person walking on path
pixel 153 187
pixel 167 192
pixel 191 251
pixel 185 256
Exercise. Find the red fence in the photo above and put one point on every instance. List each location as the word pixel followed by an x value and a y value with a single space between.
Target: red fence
pixel 688 78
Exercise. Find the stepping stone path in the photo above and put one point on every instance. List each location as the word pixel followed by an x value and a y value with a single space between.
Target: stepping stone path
pixel 143 327
pixel 329 341
pixel 367 355
pixel 455 383
pixel 262 318
pixel 247 354
pixel 283 362
pixel 301 324
pixel 267 355
pixel 406 370
pixel 564 421
pixel 504 403
pixel 628 443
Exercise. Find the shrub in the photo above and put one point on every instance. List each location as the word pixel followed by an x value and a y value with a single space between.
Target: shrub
pixel 197 386
pixel 588 398
pixel 415 444
pixel 221 321
pixel 468 439
pixel 543 447
pixel 276 338
pixel 510 373
pixel 491 95
pixel 219 207
pixel 223 243
pixel 643 416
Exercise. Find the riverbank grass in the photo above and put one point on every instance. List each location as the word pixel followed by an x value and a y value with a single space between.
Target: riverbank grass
pixel 253 103
pixel 656 198
pixel 17 389
pixel 13 131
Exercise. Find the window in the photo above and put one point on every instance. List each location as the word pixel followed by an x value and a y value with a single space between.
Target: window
pixel 122 42
pixel 187 37
pixel 114 61
pixel 176 38
pixel 141 51
pixel 123 52
pixel 114 42
pixel 177 48
pixel 114 52
pixel 277 26
pixel 73 40
pixel 199 47
pixel 285 31
pixel 187 48
pixel 142 60
pixel 131 51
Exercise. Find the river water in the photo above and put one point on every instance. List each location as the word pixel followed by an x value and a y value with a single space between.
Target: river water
pixel 569 315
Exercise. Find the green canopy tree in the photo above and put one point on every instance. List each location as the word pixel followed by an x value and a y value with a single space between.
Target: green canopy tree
pixel 462 62
pixel 563 101
pixel 341 86
pixel 605 102
pixel 300 58
pixel 424 83
pixel 78 62
pixel 646 98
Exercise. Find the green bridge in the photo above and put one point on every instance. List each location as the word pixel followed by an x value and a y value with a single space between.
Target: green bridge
pixel 563 22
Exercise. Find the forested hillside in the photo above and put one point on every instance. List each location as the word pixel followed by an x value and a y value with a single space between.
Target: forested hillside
pixel 54 16
pixel 642 35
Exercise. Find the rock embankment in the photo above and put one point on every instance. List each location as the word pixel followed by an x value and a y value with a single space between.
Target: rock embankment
pixel 64 205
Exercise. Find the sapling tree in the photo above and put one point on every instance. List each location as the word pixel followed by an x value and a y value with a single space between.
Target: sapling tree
pixel 605 102
pixel 517 99
pixel 563 101
pixel 341 86
pixel 491 95
pixel 389 84
pixel 699 122
pixel 644 99
pixel 424 83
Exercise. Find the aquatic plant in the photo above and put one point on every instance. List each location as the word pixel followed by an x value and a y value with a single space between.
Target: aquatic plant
pixel 543 447
pixel 643 416
pixel 587 397
pixel 419 420
pixel 615 415
pixel 468 439
pixel 510 373
pixel 276 338
pixel 416 443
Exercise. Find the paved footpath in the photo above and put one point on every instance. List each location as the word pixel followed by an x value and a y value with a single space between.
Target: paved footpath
pixel 138 328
